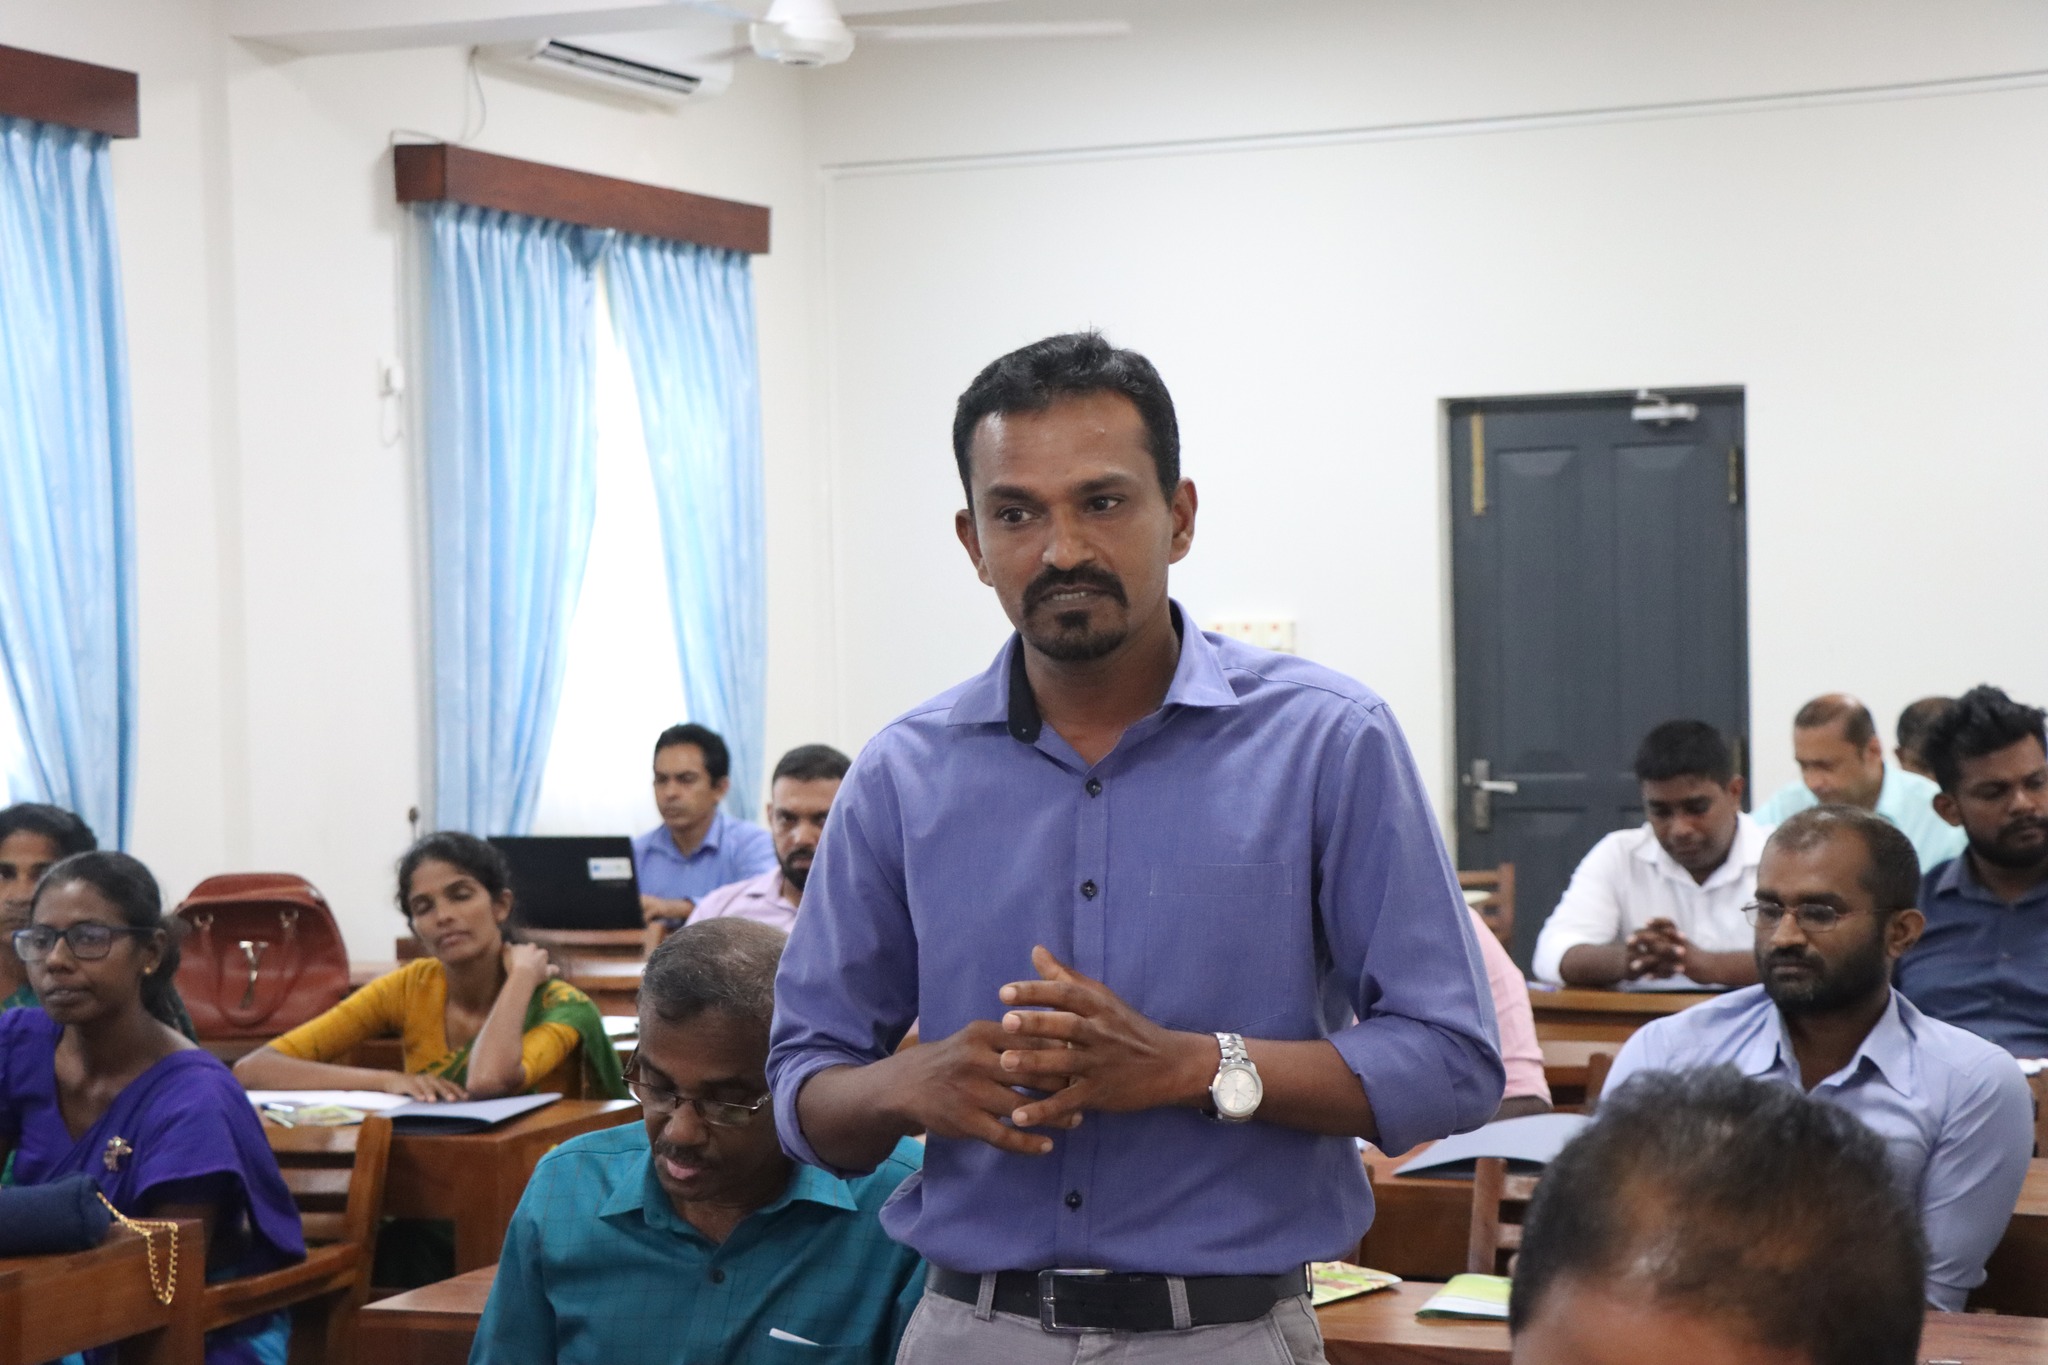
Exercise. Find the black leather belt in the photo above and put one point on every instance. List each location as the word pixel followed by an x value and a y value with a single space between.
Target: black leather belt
pixel 1103 1301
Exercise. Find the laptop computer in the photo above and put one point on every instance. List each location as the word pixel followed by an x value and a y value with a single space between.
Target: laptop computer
pixel 573 881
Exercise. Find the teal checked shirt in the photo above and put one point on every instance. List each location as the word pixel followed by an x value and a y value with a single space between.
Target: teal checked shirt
pixel 599 1269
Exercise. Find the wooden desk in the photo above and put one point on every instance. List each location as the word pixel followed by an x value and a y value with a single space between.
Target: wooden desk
pixel 1604 1016
pixel 51 1306
pixel 473 1179
pixel 432 1325
pixel 1381 1329
pixel 614 986
pixel 2016 1276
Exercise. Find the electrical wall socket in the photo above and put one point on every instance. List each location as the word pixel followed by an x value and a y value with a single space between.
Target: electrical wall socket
pixel 1266 633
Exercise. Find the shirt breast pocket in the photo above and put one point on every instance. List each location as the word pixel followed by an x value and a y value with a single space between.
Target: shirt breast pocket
pixel 1229 947
pixel 784 1350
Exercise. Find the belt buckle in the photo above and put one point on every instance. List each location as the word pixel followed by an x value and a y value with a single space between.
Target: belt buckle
pixel 1048 1302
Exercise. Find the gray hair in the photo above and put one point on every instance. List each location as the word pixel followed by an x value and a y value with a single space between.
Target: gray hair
pixel 722 964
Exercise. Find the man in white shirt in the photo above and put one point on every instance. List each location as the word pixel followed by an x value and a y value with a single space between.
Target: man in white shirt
pixel 1661 905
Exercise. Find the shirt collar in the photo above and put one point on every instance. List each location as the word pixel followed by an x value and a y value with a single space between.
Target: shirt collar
pixel 1001 695
pixel 1959 878
pixel 1744 853
pixel 649 1200
pixel 713 835
pixel 1888 1049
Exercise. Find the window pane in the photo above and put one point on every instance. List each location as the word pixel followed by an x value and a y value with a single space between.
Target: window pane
pixel 623 683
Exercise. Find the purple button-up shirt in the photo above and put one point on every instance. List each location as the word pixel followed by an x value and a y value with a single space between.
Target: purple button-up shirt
pixel 1258 856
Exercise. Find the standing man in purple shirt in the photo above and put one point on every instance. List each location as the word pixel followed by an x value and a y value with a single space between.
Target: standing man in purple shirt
pixel 1173 915
pixel 696 848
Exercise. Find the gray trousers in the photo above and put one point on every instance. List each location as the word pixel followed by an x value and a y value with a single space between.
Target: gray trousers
pixel 945 1331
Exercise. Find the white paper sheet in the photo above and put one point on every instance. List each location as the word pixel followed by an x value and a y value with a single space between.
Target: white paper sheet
pixel 370 1101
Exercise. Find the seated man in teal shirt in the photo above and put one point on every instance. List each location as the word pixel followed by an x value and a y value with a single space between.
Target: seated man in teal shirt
pixel 1841 763
pixel 692 1237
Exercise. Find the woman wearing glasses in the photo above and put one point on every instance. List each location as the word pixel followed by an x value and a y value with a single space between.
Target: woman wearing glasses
pixel 98 1081
pixel 479 1016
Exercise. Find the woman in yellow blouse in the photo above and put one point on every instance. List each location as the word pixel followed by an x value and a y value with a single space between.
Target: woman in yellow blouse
pixel 479 1017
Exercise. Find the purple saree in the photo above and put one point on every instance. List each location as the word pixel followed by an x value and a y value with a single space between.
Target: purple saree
pixel 181 1133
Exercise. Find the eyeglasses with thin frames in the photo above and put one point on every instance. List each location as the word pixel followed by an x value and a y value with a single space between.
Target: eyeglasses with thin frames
pixel 662 1102
pixel 1814 918
pixel 89 942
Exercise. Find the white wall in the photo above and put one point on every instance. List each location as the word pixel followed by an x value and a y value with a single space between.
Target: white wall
pixel 1871 272
pixel 281 692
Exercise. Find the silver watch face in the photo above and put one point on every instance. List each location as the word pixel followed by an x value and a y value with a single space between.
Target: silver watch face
pixel 1236 1092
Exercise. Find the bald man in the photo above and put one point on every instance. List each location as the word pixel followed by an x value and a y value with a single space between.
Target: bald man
pixel 1841 763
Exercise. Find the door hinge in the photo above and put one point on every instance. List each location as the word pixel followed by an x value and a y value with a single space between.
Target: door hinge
pixel 1735 476
pixel 1478 464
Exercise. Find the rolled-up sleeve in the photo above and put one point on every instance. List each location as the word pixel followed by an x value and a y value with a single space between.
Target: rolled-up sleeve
pixel 1973 1178
pixel 846 992
pixel 1425 1045
pixel 1589 912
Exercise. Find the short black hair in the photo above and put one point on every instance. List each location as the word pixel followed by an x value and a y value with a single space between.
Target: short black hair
pixel 1917 719
pixel 69 833
pixel 1982 721
pixel 130 888
pixel 1891 869
pixel 811 763
pixel 479 858
pixel 1685 748
pixel 717 758
pixel 724 964
pixel 1735 1200
pixel 1071 365
pixel 1858 725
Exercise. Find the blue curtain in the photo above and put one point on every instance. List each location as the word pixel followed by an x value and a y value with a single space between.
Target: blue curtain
pixel 511 491
pixel 67 521
pixel 685 315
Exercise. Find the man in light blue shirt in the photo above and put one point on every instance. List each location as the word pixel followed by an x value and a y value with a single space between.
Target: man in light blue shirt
pixel 696 848
pixel 1841 763
pixel 1834 912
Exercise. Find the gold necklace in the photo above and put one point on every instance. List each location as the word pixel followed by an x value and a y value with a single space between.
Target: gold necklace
pixel 164 1287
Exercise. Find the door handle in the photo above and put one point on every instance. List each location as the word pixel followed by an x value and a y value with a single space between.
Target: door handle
pixel 1484 786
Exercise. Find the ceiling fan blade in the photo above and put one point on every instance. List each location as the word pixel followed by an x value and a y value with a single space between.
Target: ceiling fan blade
pixel 952 33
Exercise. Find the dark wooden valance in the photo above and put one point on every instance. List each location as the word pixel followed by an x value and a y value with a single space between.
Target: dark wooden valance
pixel 440 171
pixel 50 89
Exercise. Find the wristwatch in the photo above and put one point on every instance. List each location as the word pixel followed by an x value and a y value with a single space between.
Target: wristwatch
pixel 1235 1093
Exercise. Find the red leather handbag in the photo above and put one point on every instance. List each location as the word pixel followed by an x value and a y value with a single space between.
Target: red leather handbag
pixel 262 955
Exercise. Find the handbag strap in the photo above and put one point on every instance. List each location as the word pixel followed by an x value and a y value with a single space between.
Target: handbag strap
pixel 164 1287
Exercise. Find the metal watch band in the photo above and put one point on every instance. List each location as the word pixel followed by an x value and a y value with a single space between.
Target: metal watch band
pixel 1234 1054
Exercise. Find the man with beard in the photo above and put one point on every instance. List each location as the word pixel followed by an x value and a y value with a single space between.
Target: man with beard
pixel 1983 960
pixel 1833 911
pixel 799 797
pixel 1173 914
pixel 691 1237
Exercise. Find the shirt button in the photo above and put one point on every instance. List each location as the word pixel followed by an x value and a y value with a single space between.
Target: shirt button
pixel 1088 890
pixel 1073 1199
pixel 718 1277
pixel 1095 786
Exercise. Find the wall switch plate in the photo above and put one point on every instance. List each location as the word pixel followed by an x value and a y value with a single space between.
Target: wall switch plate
pixel 1264 632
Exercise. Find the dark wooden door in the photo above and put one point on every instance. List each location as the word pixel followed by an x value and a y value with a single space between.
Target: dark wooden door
pixel 1599 588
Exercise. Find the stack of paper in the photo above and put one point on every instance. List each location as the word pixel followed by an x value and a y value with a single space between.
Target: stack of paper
pixel 1329 1281
pixel 1470 1296
pixel 1527 1144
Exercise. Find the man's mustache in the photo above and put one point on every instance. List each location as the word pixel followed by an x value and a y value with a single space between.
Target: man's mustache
pixel 1080 576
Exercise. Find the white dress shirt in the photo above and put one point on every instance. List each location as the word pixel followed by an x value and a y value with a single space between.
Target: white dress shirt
pixel 1628 880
